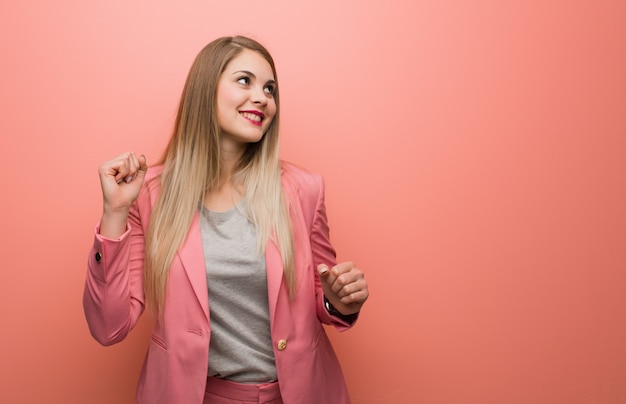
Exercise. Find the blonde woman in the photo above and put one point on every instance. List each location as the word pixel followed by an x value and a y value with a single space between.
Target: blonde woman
pixel 227 247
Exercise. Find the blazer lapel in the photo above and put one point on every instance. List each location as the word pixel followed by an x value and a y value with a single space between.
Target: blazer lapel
pixel 192 257
pixel 274 262
pixel 274 265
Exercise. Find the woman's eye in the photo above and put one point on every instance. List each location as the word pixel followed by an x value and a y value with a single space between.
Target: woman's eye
pixel 269 89
pixel 243 80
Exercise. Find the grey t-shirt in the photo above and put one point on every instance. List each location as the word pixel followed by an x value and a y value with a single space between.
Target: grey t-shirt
pixel 241 342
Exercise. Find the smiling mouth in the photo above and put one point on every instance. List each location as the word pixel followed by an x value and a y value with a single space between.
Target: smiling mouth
pixel 255 118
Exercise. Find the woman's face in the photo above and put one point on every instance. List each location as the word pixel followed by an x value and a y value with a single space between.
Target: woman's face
pixel 245 99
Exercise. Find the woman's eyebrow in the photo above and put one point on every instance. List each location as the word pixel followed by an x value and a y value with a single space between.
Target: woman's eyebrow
pixel 245 72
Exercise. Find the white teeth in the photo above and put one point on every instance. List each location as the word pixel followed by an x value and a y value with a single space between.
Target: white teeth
pixel 250 116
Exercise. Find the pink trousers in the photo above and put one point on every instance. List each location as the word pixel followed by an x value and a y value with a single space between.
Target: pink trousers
pixel 220 391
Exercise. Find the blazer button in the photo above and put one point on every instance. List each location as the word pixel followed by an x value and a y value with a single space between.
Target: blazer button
pixel 98 257
pixel 282 344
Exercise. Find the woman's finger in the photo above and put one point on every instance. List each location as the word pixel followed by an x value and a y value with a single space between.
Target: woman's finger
pixel 352 287
pixel 358 297
pixel 135 166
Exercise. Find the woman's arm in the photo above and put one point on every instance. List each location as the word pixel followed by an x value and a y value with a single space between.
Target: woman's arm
pixel 341 289
pixel 113 298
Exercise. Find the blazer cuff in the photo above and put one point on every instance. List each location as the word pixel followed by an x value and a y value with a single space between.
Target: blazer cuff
pixel 103 239
pixel 105 252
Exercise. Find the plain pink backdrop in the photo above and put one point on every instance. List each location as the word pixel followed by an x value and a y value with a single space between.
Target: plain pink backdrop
pixel 475 159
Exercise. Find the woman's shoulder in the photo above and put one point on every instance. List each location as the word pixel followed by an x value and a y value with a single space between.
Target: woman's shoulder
pixel 151 185
pixel 300 177
pixel 154 172
pixel 302 184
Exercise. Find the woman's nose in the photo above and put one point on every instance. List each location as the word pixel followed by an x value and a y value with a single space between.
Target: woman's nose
pixel 259 96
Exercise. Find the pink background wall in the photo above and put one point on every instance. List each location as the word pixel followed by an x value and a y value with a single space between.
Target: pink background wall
pixel 475 158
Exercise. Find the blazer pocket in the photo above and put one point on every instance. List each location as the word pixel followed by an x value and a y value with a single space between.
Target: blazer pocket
pixel 196 332
pixel 159 342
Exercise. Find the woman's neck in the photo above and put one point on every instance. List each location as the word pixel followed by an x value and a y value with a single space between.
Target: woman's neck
pixel 223 197
pixel 226 193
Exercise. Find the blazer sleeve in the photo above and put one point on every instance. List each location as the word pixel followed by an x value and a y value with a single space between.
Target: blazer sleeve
pixel 113 298
pixel 323 253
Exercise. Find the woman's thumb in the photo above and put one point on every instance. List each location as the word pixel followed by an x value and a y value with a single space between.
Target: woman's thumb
pixel 143 167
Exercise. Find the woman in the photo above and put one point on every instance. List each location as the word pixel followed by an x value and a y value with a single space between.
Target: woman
pixel 227 246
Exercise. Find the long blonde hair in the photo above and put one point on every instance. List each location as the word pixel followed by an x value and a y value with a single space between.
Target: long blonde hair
pixel 191 167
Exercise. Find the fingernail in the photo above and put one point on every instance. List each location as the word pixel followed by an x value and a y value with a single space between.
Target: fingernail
pixel 129 179
pixel 322 269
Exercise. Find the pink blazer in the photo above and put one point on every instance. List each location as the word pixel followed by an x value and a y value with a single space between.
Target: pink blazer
pixel 176 365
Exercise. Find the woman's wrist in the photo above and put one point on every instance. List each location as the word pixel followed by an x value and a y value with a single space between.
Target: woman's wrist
pixel 113 223
pixel 348 318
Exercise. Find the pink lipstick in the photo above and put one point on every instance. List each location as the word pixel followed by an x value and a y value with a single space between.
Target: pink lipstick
pixel 254 117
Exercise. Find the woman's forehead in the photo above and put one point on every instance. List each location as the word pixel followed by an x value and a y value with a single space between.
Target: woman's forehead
pixel 251 61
